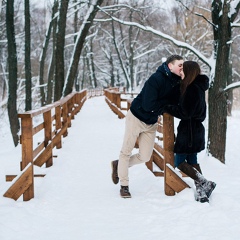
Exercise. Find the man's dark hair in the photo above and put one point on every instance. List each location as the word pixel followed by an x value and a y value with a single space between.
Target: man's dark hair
pixel 172 58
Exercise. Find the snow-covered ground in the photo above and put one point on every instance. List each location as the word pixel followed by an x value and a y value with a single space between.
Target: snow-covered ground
pixel 77 199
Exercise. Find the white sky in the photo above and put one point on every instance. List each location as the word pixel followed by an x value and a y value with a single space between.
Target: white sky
pixel 77 199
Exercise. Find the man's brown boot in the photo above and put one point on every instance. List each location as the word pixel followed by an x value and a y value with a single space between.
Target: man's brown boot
pixel 115 177
pixel 124 192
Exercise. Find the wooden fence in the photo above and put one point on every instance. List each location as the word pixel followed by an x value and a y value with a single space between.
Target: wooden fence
pixel 162 156
pixel 94 92
pixel 55 119
pixel 53 123
pixel 118 101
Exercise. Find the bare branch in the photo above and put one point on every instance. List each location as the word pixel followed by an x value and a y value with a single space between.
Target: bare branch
pixel 197 14
pixel 178 43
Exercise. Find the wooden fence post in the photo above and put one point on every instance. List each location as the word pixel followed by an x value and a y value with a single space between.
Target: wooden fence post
pixel 48 135
pixel 168 144
pixel 65 118
pixel 58 124
pixel 27 153
pixel 172 182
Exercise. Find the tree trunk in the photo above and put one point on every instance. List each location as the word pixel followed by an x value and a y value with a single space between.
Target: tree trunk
pixel 79 46
pixel 59 57
pixel 125 73
pixel 12 69
pixel 51 69
pixel 230 92
pixel 77 87
pixel 93 72
pixel 44 53
pixel 217 100
pixel 28 74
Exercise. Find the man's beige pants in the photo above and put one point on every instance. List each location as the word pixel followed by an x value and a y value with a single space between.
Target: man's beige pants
pixel 134 128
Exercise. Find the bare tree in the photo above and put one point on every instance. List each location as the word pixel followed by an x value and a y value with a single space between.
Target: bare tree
pixel 223 16
pixel 51 69
pixel 12 69
pixel 28 73
pixel 131 46
pixel 43 57
pixel 59 55
pixel 92 11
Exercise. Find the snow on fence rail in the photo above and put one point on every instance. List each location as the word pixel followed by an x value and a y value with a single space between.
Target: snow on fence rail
pixel 55 119
pixel 162 157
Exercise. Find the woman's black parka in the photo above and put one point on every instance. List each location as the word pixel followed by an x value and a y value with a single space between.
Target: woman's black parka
pixel 192 112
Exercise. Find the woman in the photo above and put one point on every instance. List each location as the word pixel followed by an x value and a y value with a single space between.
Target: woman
pixel 190 132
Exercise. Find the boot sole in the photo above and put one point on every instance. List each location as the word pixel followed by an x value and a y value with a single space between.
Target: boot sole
pixel 126 196
pixel 202 200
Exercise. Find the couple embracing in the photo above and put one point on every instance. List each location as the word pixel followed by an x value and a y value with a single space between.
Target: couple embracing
pixel 177 88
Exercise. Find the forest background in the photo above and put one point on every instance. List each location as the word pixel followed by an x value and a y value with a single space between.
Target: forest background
pixel 49 50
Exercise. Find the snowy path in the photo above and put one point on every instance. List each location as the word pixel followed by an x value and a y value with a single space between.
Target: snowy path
pixel 77 200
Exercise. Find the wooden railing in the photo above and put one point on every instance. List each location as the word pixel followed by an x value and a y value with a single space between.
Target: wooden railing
pixel 118 101
pixel 95 92
pixel 162 156
pixel 39 141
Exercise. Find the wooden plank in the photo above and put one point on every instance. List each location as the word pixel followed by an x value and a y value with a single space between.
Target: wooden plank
pixel 149 165
pixel 159 174
pixel 38 149
pixel 9 178
pixel 47 127
pixel 27 141
pixel 115 109
pixel 168 143
pixel 158 160
pixel 23 183
pixel 65 118
pixel 33 113
pixel 174 181
pixel 58 126
pixel 57 140
pixel 159 148
pixel 38 128
pixel 44 156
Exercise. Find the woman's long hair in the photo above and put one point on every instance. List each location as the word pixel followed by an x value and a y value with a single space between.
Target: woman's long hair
pixel 191 69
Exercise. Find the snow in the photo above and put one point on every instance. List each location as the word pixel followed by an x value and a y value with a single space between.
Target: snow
pixel 77 199
pixel 232 85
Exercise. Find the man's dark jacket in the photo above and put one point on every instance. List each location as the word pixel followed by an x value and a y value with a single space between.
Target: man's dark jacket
pixel 192 112
pixel 160 89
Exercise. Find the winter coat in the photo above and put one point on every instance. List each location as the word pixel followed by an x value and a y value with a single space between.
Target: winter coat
pixel 192 112
pixel 160 89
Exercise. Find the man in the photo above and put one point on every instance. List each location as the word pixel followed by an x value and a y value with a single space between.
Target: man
pixel 160 89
